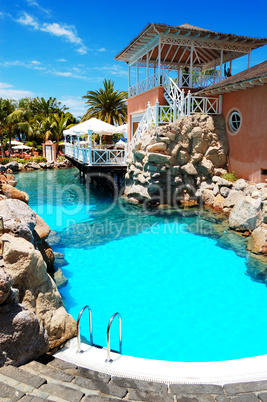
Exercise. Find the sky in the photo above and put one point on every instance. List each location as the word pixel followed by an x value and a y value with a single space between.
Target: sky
pixel 65 48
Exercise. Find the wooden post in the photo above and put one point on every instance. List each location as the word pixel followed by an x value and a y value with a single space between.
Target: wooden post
pixel 191 68
pixel 231 67
pixel 221 63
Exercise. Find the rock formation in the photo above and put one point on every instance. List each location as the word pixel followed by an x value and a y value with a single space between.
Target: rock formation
pixel 22 336
pixel 27 257
pixel 175 159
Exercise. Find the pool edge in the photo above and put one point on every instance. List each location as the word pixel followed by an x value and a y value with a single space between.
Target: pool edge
pixel 217 373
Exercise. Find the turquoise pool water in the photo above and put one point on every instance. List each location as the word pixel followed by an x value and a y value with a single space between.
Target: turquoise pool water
pixel 181 297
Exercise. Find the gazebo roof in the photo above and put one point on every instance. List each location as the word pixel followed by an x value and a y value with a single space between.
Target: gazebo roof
pixel 176 42
pixel 256 75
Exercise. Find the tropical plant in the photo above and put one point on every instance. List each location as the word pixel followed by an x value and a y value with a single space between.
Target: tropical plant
pixel 107 104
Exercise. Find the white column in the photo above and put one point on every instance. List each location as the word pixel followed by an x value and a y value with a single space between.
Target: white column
pixel 221 63
pixel 147 71
pixel 137 77
pixel 191 67
pixel 249 54
pixel 157 113
pixel 159 61
pixel 129 77
pixel 90 132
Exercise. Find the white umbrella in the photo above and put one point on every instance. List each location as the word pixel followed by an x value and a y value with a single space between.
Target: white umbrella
pixel 97 126
pixel 22 147
pixel 120 144
pixel 122 129
pixel 14 142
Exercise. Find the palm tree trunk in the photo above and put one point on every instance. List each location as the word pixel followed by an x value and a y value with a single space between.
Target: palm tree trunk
pixel 2 144
pixel 10 138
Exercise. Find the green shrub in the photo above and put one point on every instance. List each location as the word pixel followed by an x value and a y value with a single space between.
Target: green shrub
pixel 61 158
pixel 4 161
pixel 230 176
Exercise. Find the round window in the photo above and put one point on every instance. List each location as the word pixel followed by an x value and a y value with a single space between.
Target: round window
pixel 234 121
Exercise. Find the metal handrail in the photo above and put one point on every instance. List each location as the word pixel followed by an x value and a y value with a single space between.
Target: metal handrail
pixel 90 327
pixel 109 360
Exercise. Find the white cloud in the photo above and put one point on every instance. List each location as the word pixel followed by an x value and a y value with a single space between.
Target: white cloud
pixel 26 19
pixel 75 104
pixel 8 91
pixel 62 60
pixel 114 69
pixel 36 65
pixel 102 49
pixel 35 62
pixel 67 32
pixel 67 74
pixel 33 3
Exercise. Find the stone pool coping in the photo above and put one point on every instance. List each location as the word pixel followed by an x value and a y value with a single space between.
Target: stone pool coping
pixel 217 373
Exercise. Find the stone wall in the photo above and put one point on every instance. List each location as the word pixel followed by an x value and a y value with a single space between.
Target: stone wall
pixel 175 159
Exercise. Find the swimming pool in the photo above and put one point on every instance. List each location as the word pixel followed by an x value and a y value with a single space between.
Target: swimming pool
pixel 181 297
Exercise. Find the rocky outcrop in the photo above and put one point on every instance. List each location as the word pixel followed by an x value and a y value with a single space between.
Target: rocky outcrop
pixel 17 167
pixel 37 291
pixel 245 215
pixel 19 218
pixel 22 336
pixel 175 159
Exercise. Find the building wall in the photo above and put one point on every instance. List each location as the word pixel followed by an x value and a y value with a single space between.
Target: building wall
pixel 138 104
pixel 248 147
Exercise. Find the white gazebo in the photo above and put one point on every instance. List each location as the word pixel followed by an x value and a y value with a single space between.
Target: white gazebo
pixel 82 150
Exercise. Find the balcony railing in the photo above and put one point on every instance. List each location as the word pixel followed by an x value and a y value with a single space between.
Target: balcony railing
pixel 95 156
pixel 198 81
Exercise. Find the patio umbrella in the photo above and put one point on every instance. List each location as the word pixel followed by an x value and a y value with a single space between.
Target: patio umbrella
pixel 97 126
pixel 20 147
pixel 14 142
pixel 120 144
pixel 122 129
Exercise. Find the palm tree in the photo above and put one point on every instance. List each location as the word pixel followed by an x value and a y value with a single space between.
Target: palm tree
pixel 59 124
pixel 9 107
pixel 107 104
pixel 2 122
pixel 43 107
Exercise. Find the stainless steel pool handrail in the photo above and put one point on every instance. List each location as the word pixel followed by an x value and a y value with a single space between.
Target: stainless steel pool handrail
pixel 90 327
pixel 108 359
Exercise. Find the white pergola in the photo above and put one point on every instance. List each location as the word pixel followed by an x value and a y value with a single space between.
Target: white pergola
pixel 161 47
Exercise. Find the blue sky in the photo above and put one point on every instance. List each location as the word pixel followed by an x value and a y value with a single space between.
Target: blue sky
pixel 65 48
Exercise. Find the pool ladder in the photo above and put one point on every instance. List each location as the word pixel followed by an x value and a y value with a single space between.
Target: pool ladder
pixel 79 350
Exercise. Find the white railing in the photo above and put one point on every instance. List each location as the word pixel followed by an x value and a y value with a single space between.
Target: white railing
pixel 183 107
pixel 172 90
pixel 150 117
pixel 144 85
pixel 91 156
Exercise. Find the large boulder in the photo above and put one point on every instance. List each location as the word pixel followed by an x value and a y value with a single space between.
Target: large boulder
pixel 37 291
pixel 22 336
pixel 14 166
pixel 259 239
pixel 42 230
pixel 11 192
pixel 245 216
pixel 19 218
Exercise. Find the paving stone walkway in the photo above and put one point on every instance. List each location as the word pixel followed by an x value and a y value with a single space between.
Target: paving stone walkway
pixel 52 379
